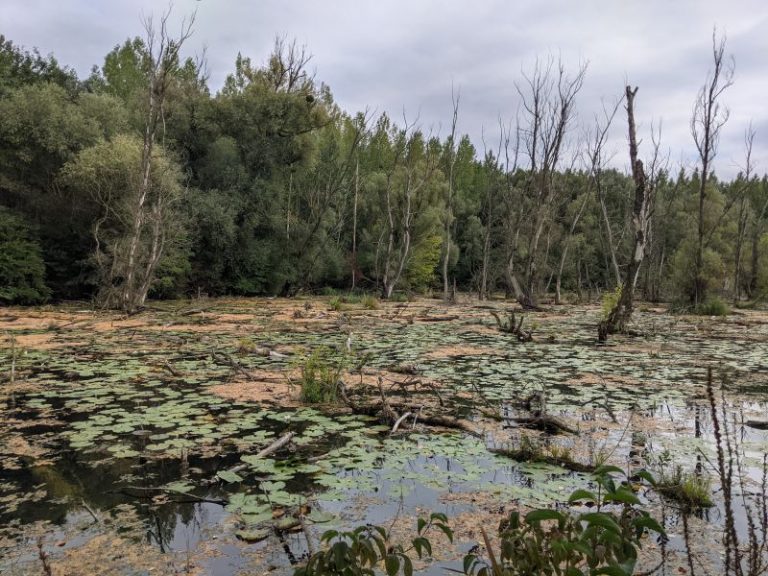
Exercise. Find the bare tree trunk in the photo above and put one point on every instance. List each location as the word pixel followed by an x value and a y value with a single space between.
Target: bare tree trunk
pixel 138 273
pixel 641 213
pixel 548 100
pixel 566 246
pixel 707 122
pixel 609 235
pixel 354 224
pixel 757 231
pixel 742 219
pixel 447 237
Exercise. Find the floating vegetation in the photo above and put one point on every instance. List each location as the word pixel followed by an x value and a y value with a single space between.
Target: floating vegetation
pixel 110 411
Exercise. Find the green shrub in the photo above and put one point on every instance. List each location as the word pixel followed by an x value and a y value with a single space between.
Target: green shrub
pixel 359 551
pixel 544 541
pixel 22 270
pixel 547 541
pixel 370 302
pixel 335 303
pixel 320 378
pixel 713 306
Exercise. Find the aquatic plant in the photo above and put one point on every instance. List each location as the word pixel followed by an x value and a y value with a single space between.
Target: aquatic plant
pixel 320 378
pixel 692 490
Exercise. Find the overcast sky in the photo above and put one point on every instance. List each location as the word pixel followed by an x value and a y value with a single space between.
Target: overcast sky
pixel 394 55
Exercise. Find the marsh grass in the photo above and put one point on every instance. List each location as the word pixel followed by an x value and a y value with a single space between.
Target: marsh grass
pixel 321 378
pixel 693 491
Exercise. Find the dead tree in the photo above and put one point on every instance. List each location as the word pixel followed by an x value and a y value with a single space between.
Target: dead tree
pixel 449 219
pixel 548 99
pixel 741 231
pixel 619 316
pixel 759 215
pixel 147 237
pixel 597 160
pixel 708 119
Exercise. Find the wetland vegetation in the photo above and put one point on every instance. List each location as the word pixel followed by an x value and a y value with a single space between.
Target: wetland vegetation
pixel 245 331
pixel 121 432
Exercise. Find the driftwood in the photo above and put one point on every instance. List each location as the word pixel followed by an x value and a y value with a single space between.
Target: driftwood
pixel 511 325
pixel 227 359
pixel 375 409
pixel 193 311
pixel 757 424
pixel 436 318
pixel 274 447
pixel 399 421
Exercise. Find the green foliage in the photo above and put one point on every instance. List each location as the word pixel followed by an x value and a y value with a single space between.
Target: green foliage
pixel 336 303
pixel 366 548
pixel 273 168
pixel 423 263
pixel 370 302
pixel 321 377
pixel 21 263
pixel 692 490
pixel 713 306
pixel 547 541
pixel 610 300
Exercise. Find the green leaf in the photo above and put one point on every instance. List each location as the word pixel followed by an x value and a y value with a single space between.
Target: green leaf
pixel 253 535
pixel 543 514
pixel 407 566
pixel 622 495
pixel 607 469
pixel 446 530
pixel 648 523
pixel 229 476
pixel 392 564
pixel 601 520
pixel 420 524
pixel 647 476
pixel 320 517
pixel 578 495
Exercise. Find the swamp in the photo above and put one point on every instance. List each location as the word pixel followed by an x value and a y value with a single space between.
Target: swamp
pixel 201 436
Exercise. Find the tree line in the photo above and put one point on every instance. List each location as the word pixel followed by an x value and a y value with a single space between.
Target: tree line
pixel 138 182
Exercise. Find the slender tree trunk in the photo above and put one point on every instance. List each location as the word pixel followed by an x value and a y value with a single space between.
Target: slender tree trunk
pixel 354 224
pixel 622 311
pixel 566 246
pixel 609 236
pixel 740 236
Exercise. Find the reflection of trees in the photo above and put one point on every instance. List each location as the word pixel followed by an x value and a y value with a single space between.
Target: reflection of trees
pixel 74 480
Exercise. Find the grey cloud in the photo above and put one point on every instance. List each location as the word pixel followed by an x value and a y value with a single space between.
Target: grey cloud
pixel 406 54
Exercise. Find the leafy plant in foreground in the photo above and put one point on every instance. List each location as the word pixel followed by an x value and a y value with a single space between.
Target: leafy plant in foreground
pixel 362 550
pixel 547 541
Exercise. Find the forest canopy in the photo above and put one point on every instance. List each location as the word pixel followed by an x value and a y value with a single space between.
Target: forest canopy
pixel 139 182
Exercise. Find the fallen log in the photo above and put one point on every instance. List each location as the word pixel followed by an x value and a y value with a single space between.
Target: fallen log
pixel 545 423
pixel 233 363
pixel 757 424
pixel 520 455
pixel 399 421
pixel 274 447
